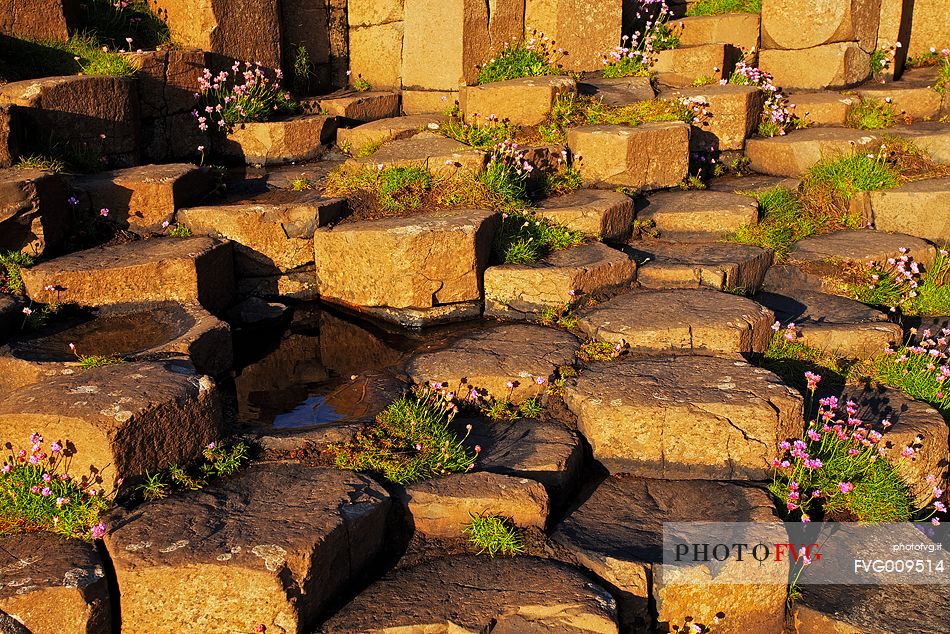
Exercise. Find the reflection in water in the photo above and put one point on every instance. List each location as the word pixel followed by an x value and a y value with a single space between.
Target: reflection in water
pixel 302 376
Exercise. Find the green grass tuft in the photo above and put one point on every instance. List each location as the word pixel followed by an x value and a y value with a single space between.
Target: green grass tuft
pixel 41 162
pixel 533 57
pixel 849 175
pixel 872 114
pixel 719 7
pixel 90 361
pixel 218 461
pixel 911 369
pixel 411 441
pixel 524 238
pixel 494 535
pixel 12 261
pixel 783 223
pixel 481 134
pixel 570 110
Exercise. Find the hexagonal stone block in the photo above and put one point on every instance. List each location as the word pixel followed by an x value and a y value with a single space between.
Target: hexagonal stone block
pixel 584 29
pixel 375 53
pixel 738 29
pixel 682 320
pixel 522 101
pixel 617 91
pixel 617 533
pixel 505 594
pixel 682 66
pixel 416 262
pixel 933 137
pixel 838 65
pixel 297 138
pixel 180 269
pixel 120 420
pixel 513 290
pixel 442 507
pixel 46 20
pixel 793 24
pixel 426 149
pixel 604 214
pixel 648 156
pixel 732 114
pixel 698 215
pixel 34 215
pixel 272 234
pixel 148 331
pixel 716 265
pixel 360 106
pixel 689 417
pixel 860 246
pixel 794 153
pixel 53 585
pixel 271 546
pixel 367 137
pixel 823 107
pixel 869 609
pixel 143 198
pixel 909 98
pixel 837 325
pixel 490 359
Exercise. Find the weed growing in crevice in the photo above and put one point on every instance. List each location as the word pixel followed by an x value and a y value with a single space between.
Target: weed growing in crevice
pixel 791 359
pixel 570 110
pixel 494 535
pixel 41 162
pixel 783 222
pixel 535 56
pixel 411 441
pixel 480 132
pixel 524 238
pixel 903 285
pixel 872 114
pixel 12 262
pixel 217 461
pixel 37 492
pixel 637 53
pixel 90 361
pixel 719 7
pixel 598 350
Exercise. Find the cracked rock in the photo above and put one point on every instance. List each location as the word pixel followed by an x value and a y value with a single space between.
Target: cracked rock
pixel 688 417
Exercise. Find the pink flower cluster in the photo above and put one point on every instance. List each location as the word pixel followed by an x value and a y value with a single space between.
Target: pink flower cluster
pixel 777 112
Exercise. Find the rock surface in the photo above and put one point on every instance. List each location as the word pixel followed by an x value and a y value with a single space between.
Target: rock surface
pixel 269 547
pixel 524 101
pixel 698 215
pixel 607 215
pixel 898 209
pixel 688 417
pixel 718 265
pixel 680 320
pixel 34 215
pixel 648 156
pixel 507 595
pixel 794 153
pixel 297 138
pixel 518 353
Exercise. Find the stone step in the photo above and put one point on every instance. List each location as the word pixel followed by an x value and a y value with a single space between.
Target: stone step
pixel 34 215
pixel 795 152
pixel 914 424
pixel 648 156
pixel 440 508
pixel 426 149
pixel 716 265
pixel 417 262
pixel 272 233
pixel 175 269
pixel 617 91
pixel 684 65
pixel 617 534
pixel 919 208
pixel 822 107
pixel 870 609
pixel 909 96
pixel 130 418
pixel 858 246
pixel 518 290
pixel 699 215
pixel 272 546
pixel 524 101
pixel 365 139
pixel 600 213
pixel 680 320
pixel 296 138
pixel 477 594
pixel 691 417
pixel 731 113
pixel 833 324
pixel 134 332
pixel 839 65
pixel 53 584
pixel 519 354
pixel 739 29
pixel 933 137
pixel 144 199
pixel 355 106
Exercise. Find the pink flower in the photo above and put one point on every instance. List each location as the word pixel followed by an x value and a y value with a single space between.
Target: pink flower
pixel 55 447
pixel 104 212
pixel 813 380
pixel 846 487
pixel 6 468
pixel 46 492
pixel 940 506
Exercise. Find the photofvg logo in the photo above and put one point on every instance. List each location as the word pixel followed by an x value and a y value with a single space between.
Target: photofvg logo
pixel 812 553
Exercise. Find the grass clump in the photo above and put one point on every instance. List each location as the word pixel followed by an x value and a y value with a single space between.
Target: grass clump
pixel 719 7
pixel 494 535
pixel 918 368
pixel 524 238
pixel 41 162
pixel 783 222
pixel 394 188
pixel 534 56
pixel 504 409
pixel 411 441
pixel 832 182
pixel 872 114
pixel 478 133
pixel 570 110
pixel 791 359
pixel 901 283
pixel 37 493
pixel 561 181
pixel 12 262
pixel 128 24
pixel 597 350
pixel 218 461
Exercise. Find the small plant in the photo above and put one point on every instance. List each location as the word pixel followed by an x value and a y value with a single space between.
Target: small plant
pixel 125 23
pixel 90 361
pixel 411 440
pixel 41 162
pixel 705 80
pixel 597 350
pixel 777 119
pixel 12 262
pixel 840 468
pixel 507 173
pixel 942 60
pixel 872 114
pixel 394 188
pixel 564 180
pixel 218 461
pixel 690 626
pixel 303 68
pixel 154 487
pixel 901 283
pixel 180 231
pixel 481 133
pixel 783 222
pixel 561 315
pixel 360 84
pixel 835 179
pixel 918 367
pixel 533 57
pixel 882 58
pixel 719 7
pixel 245 93
pixel 494 535
pixel 524 238
pixel 637 53
pixel 301 185
pixel 38 493
pixel 570 110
